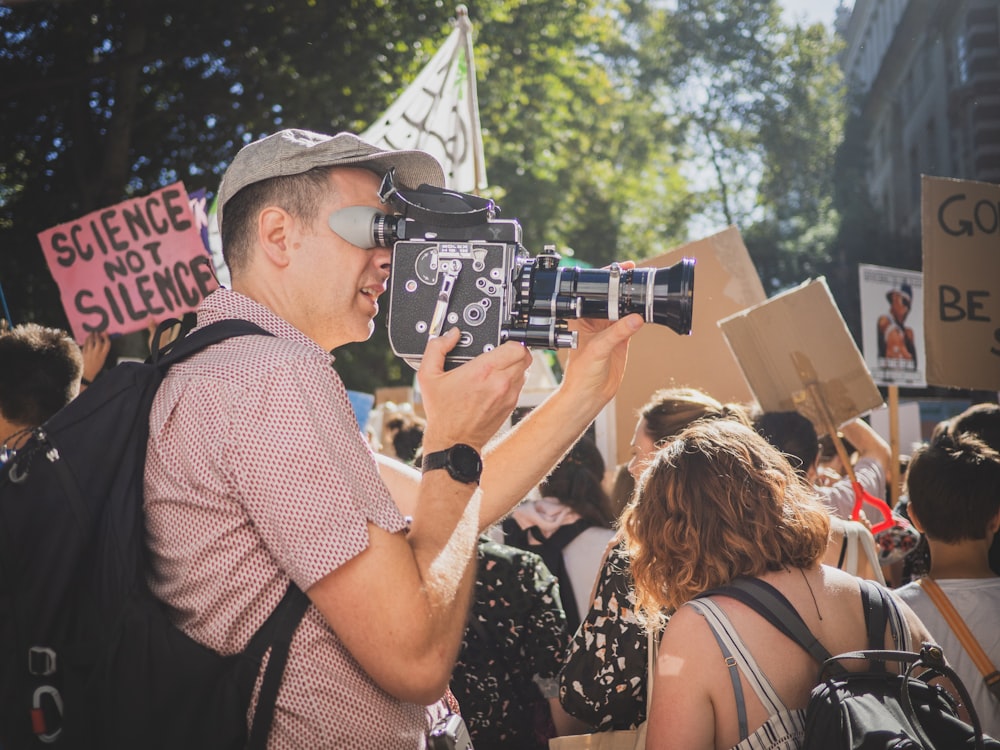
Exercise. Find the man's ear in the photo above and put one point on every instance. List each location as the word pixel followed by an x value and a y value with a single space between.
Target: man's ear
pixel 813 471
pixel 274 226
pixel 912 513
pixel 994 524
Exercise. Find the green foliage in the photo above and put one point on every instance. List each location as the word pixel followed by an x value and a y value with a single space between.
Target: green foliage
pixel 800 131
pixel 761 105
pixel 590 111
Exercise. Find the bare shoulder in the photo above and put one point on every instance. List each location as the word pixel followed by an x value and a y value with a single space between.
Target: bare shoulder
pixel 842 584
pixel 838 582
pixel 686 633
pixel 682 623
pixel 684 658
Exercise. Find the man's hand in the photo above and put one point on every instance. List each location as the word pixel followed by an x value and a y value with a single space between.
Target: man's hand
pixel 470 403
pixel 596 367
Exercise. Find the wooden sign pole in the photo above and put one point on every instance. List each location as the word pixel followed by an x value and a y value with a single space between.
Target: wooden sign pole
pixel 894 479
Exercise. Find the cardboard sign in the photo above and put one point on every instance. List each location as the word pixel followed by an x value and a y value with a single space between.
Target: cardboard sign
pixel 892 330
pixel 961 255
pixel 119 267
pixel 725 281
pixel 797 354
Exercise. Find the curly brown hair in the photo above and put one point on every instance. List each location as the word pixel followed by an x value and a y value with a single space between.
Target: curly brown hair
pixel 715 503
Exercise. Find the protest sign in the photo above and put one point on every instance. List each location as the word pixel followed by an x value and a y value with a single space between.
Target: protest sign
pixel 892 332
pixel 961 256
pixel 725 281
pixel 795 349
pixel 119 267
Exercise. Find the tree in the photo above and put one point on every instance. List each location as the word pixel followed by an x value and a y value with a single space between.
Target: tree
pixel 862 236
pixel 761 106
pixel 801 128
pixel 114 98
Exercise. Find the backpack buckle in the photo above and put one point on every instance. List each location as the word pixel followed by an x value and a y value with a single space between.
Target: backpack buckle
pixel 41 661
pixel 46 710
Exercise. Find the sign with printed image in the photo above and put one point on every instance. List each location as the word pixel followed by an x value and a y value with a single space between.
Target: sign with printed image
pixel 120 267
pixel 892 325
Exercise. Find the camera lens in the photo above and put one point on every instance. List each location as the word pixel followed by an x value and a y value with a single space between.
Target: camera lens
pixel 660 295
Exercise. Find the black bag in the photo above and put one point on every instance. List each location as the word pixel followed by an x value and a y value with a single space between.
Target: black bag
pixel 88 656
pixel 876 709
pixel 550 549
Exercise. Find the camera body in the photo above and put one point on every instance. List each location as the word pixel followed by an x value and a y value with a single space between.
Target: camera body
pixel 454 263
pixel 470 283
pixel 449 733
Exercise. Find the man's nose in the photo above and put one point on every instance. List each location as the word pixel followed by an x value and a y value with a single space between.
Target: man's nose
pixel 382 257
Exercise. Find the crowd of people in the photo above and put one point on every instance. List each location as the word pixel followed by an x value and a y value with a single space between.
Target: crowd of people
pixel 455 565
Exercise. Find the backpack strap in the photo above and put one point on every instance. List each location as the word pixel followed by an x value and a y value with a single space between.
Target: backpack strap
pixel 875 607
pixel 200 338
pixel 276 633
pixel 772 605
pixel 991 676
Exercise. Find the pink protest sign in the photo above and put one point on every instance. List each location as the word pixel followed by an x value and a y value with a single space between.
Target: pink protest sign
pixel 120 267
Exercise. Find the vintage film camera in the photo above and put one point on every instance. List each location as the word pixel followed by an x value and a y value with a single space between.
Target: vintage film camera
pixel 455 264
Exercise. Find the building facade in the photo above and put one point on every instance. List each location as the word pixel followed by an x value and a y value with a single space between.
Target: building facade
pixel 924 76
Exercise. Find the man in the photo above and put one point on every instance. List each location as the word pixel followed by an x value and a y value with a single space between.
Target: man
pixel 257 474
pixel 40 370
pixel 895 339
pixel 952 485
pixel 794 435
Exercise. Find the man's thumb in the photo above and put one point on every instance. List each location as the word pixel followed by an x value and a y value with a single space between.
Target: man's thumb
pixel 436 349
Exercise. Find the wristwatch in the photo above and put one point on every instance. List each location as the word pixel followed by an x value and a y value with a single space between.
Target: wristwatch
pixel 462 462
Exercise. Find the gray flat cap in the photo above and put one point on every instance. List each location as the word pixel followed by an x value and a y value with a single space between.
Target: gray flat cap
pixel 290 152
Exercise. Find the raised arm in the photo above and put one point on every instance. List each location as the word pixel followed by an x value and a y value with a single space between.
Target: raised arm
pixel 523 457
pixel 400 606
pixel 410 594
pixel 868 442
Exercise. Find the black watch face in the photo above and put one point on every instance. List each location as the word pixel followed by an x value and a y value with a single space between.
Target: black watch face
pixel 466 464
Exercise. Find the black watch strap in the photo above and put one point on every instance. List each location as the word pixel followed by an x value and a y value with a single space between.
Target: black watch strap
pixel 462 462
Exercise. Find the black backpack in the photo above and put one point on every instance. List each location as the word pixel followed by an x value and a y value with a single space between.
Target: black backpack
pixel 550 549
pixel 874 709
pixel 88 656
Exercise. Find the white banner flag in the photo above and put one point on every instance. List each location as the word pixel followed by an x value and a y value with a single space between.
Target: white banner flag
pixel 439 113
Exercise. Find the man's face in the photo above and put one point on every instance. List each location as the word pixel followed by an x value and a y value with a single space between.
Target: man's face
pixel 898 307
pixel 340 283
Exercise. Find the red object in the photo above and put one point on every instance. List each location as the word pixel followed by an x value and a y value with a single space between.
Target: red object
pixel 38 721
pixel 861 497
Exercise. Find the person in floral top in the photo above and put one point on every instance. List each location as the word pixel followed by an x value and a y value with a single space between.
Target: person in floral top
pixel 505 677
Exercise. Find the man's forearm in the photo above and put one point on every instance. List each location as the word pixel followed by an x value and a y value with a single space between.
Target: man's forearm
pixel 444 547
pixel 523 457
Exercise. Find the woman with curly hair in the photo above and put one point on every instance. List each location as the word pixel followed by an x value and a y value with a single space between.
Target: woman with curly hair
pixel 717 503
pixel 603 680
